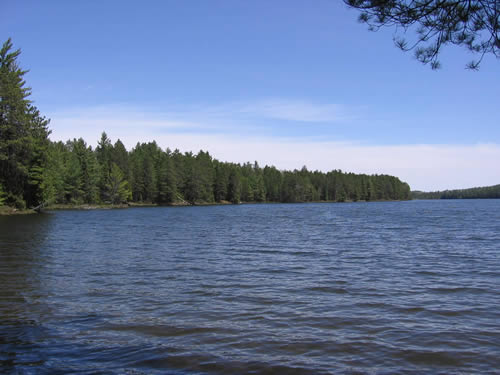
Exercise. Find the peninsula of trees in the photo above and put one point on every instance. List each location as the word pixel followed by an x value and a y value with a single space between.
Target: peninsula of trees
pixel 34 170
pixel 77 174
pixel 74 173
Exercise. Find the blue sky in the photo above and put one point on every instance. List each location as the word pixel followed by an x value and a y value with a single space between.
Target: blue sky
pixel 286 83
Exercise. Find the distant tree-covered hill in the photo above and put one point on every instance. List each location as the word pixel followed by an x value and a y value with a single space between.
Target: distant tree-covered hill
pixel 487 192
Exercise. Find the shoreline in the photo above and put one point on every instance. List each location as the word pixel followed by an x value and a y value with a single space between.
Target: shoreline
pixel 11 211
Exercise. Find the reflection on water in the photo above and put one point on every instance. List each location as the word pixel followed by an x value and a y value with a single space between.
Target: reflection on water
pixel 365 288
pixel 23 257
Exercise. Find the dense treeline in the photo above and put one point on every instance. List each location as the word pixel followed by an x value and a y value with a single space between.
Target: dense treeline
pixel 34 170
pixel 78 174
pixel 487 192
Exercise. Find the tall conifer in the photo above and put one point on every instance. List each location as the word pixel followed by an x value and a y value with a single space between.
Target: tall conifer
pixel 23 134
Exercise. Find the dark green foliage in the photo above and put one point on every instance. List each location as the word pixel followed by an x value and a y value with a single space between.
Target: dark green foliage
pixel 71 174
pixel 221 181
pixel 259 192
pixel 473 24
pixel 23 135
pixel 104 152
pixel 76 174
pixel 234 185
pixel 119 156
pixel 167 180
pixel 117 188
pixel 72 177
pixel 2 195
pixel 273 180
pixel 53 179
pixel 145 162
pixel 88 170
pixel 204 173
pixel 487 192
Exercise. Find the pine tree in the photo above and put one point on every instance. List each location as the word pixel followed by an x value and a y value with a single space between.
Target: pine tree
pixel 73 182
pixel 473 24
pixel 206 174
pixel 192 187
pixel 234 186
pixel 119 156
pixel 23 134
pixel 89 170
pixel 53 178
pixel 103 151
pixel 167 181
pixel 117 188
pixel 221 182
pixel 273 180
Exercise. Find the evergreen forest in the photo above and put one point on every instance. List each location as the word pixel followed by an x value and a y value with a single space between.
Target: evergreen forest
pixel 37 171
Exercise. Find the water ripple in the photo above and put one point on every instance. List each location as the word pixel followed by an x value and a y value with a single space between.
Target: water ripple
pixel 364 288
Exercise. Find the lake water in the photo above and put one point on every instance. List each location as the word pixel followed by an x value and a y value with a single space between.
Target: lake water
pixel 355 288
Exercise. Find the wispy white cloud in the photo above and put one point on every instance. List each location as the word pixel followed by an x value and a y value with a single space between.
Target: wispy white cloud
pixel 270 109
pixel 235 117
pixel 295 110
pixel 423 166
pixel 116 116
pixel 121 121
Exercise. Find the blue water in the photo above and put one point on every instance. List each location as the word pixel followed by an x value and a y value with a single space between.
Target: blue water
pixel 355 288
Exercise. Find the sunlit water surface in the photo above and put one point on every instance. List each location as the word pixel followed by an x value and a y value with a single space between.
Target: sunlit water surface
pixel 355 288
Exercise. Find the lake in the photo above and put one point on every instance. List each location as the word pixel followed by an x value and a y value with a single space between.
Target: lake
pixel 355 288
